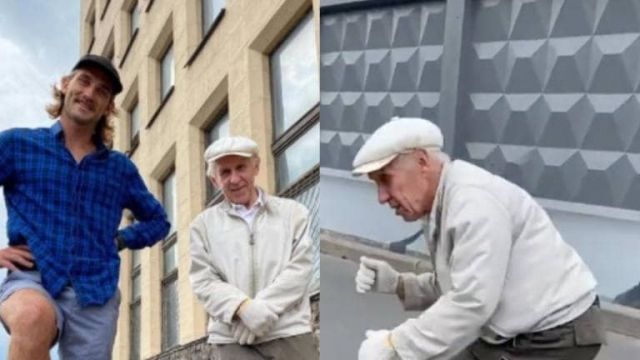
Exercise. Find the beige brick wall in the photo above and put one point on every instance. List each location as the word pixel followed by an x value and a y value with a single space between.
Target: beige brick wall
pixel 231 69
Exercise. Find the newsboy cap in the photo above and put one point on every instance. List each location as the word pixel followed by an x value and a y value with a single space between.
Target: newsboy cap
pixel 231 145
pixel 393 138
pixel 105 65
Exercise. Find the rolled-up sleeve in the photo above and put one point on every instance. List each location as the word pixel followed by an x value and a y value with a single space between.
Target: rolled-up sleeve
pixel 152 224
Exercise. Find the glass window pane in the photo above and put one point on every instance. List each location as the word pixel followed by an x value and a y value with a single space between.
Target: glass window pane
pixel 220 129
pixel 170 317
pixel 167 72
pixel 135 18
pixel 294 75
pixel 135 258
pixel 135 287
pixel 169 200
pixel 170 258
pixel 210 11
pixel 310 198
pixel 299 157
pixel 134 327
pixel 135 120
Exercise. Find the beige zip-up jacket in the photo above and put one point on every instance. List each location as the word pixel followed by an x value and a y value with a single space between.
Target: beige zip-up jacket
pixel 501 269
pixel 273 263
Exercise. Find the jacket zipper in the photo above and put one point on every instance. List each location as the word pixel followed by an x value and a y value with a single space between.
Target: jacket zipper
pixel 252 242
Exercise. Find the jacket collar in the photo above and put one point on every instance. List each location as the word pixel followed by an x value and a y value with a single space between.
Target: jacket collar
pixel 437 201
pixel 263 200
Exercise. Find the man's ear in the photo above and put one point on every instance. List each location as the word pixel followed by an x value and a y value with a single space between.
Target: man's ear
pixel 214 182
pixel 64 83
pixel 110 108
pixel 422 157
pixel 256 162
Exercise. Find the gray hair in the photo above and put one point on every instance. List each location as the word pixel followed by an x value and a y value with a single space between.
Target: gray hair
pixel 211 165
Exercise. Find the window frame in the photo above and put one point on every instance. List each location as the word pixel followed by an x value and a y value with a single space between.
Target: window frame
pixel 297 129
pixel 133 33
pixel 217 195
pixel 205 35
pixel 163 100
pixel 134 140
pixel 167 279
pixel 104 9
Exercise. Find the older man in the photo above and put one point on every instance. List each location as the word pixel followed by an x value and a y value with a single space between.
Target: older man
pixel 505 285
pixel 251 262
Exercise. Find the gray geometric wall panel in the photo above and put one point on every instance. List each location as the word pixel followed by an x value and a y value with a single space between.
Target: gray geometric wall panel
pixel 375 64
pixel 552 100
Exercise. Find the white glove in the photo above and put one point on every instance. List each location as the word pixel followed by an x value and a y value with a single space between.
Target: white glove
pixel 377 346
pixel 257 316
pixel 242 334
pixel 377 274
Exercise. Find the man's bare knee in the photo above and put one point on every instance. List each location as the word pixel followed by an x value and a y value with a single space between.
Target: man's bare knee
pixel 29 313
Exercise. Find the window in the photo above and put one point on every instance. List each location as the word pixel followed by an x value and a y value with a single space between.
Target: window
pixel 170 304
pixel 91 28
pixel 134 19
pixel 219 129
pixel 162 77
pixel 167 73
pixel 129 26
pixel 296 93
pixel 294 74
pixel 109 50
pixel 110 53
pixel 296 147
pixel 211 9
pixel 134 116
pixel 104 9
pixel 134 307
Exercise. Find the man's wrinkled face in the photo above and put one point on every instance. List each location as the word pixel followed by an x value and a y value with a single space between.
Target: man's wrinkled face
pixel 404 186
pixel 235 176
pixel 88 95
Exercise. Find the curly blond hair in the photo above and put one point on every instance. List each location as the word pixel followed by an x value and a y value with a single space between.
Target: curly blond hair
pixel 104 128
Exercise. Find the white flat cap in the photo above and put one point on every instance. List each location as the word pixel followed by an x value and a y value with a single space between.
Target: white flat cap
pixel 393 138
pixel 231 145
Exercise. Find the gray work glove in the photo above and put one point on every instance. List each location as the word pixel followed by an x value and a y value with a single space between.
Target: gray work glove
pixel 242 334
pixel 257 317
pixel 376 275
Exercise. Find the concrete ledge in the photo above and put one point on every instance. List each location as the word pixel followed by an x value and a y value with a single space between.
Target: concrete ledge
pixel 351 248
pixel 619 319
pixel 199 349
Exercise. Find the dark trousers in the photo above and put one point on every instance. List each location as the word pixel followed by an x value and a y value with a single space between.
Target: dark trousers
pixel 299 347
pixel 579 339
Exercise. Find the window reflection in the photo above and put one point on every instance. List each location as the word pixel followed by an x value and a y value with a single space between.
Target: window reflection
pixel 294 75
pixel 299 158
pixel 167 72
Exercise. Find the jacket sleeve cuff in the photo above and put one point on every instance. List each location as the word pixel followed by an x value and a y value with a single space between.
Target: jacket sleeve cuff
pixel 414 297
pixel 233 308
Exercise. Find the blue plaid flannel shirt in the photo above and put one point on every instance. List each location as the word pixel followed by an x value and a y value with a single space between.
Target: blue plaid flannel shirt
pixel 68 213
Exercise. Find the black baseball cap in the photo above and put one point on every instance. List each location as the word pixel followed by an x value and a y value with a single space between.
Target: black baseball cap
pixel 104 64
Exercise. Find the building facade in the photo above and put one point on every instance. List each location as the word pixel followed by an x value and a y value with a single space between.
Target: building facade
pixel 193 71
pixel 543 93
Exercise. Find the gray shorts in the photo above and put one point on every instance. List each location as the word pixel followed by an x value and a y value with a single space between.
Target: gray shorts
pixel 83 332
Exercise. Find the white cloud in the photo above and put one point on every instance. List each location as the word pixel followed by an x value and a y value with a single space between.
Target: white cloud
pixel 24 89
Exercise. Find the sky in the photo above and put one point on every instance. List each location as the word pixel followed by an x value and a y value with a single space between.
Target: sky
pixel 39 43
